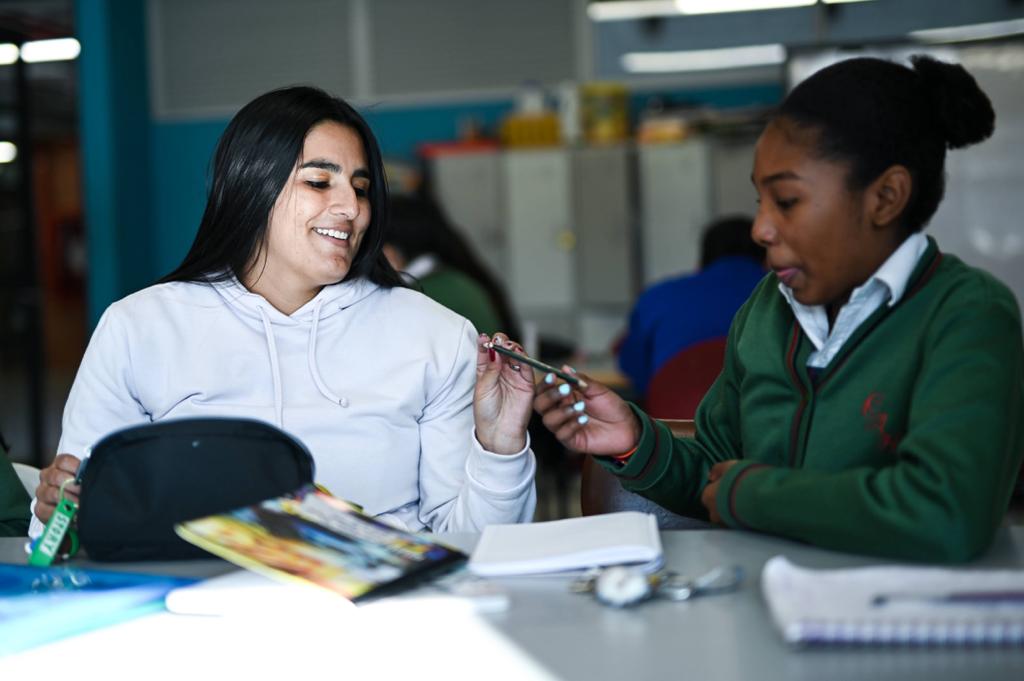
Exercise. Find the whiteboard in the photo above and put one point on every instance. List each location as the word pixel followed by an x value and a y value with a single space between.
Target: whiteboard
pixel 982 217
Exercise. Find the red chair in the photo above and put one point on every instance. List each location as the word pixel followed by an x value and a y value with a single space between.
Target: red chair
pixel 680 384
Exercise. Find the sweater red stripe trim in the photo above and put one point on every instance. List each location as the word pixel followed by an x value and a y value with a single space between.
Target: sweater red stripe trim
pixel 654 455
pixel 794 429
pixel 924 279
pixel 732 493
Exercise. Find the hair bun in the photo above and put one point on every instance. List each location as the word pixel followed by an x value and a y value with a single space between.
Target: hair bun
pixel 962 111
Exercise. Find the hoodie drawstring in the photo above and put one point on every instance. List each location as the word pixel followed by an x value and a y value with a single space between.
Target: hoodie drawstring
pixel 275 368
pixel 311 357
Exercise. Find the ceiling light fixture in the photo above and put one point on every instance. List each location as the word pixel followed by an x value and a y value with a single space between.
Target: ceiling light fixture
pixel 646 9
pixel 631 9
pixel 59 49
pixel 8 53
pixel 8 152
pixel 704 60
pixel 719 6
pixel 958 34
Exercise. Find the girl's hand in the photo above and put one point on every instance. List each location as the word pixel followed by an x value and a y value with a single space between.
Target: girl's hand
pixel 64 467
pixel 501 401
pixel 589 418
pixel 707 497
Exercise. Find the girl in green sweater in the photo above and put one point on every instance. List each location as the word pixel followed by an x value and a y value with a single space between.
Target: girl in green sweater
pixel 13 498
pixel 872 397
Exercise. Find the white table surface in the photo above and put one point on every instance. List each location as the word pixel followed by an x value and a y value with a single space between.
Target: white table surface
pixel 545 633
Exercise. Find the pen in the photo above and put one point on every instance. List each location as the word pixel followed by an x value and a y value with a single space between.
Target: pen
pixel 537 364
pixel 955 598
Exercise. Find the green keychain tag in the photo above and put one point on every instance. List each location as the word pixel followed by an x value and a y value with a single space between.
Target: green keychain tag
pixel 45 548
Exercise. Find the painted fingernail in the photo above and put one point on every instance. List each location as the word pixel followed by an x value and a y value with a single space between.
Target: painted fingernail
pixel 582 420
pixel 578 406
pixel 491 354
pixel 549 379
pixel 564 389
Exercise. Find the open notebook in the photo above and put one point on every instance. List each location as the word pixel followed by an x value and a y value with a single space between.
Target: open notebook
pixel 895 605
pixel 570 545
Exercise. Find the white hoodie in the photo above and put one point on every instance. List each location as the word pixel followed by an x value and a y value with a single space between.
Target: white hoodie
pixel 377 383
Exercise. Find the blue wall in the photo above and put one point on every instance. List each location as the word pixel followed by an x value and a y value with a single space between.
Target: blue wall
pixel 114 111
pixel 181 160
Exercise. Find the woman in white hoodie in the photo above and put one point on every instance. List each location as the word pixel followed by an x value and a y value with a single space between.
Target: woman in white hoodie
pixel 286 310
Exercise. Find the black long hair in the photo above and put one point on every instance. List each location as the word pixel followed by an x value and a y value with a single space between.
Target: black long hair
pixel 874 114
pixel 418 226
pixel 254 158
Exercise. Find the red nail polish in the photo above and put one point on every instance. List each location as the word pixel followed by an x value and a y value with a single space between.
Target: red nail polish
pixel 491 354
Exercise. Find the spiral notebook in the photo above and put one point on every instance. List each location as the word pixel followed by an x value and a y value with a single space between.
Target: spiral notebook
pixel 895 605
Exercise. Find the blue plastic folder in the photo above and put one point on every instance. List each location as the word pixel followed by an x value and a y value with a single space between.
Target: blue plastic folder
pixel 39 605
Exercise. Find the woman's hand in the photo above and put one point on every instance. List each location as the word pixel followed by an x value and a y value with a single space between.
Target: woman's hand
pixel 64 467
pixel 501 402
pixel 590 418
pixel 707 497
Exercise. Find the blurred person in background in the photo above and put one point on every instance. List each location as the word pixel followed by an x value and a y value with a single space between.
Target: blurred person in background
pixel 693 311
pixel 14 501
pixel 424 246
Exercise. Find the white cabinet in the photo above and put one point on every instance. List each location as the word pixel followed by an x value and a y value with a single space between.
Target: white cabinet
pixel 605 220
pixel 675 204
pixel 541 243
pixel 469 186
pixel 605 224
pixel 682 188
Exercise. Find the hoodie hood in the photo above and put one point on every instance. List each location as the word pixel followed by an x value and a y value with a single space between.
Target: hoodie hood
pixel 332 299
pixel 255 310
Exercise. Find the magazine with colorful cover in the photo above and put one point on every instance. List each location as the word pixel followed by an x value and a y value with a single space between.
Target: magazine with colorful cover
pixel 315 538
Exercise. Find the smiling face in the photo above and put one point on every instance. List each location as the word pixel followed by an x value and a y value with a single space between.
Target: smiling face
pixel 821 237
pixel 318 220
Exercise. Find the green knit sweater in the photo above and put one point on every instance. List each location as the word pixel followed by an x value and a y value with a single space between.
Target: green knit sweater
pixel 463 295
pixel 13 501
pixel 906 445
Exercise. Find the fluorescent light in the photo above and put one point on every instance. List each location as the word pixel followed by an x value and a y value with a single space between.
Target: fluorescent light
pixel 8 152
pixel 704 60
pixel 956 34
pixel 717 6
pixel 842 2
pixel 60 49
pixel 644 9
pixel 631 9
pixel 8 53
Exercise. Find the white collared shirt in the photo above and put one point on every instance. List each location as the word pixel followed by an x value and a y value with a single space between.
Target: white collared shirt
pixel 421 266
pixel 888 283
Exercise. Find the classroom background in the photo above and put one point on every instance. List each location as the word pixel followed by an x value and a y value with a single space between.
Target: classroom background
pixel 580 146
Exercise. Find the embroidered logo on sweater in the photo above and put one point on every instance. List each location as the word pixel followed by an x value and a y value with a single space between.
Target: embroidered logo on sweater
pixel 875 418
